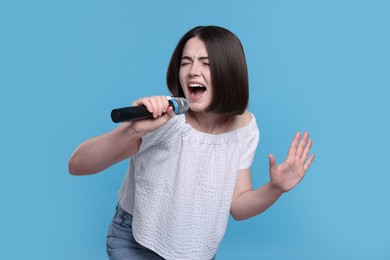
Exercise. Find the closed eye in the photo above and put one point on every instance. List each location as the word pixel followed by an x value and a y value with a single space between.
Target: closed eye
pixel 185 60
pixel 204 60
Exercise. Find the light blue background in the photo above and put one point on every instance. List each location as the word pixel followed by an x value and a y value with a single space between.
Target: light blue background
pixel 318 66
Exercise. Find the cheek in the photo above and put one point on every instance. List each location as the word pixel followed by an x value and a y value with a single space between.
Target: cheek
pixel 182 79
pixel 208 76
pixel 181 74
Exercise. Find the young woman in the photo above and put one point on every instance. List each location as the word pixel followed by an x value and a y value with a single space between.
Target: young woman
pixel 187 172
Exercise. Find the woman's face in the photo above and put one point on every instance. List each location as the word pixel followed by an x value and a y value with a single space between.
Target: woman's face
pixel 194 75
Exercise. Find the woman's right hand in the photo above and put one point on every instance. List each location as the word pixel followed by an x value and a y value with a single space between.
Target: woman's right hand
pixel 100 152
pixel 159 107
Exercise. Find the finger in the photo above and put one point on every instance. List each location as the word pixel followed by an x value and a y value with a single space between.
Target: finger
pixel 308 162
pixel 307 150
pixel 272 163
pixel 159 106
pixel 138 102
pixel 167 116
pixel 156 107
pixel 170 112
pixel 294 145
pixel 163 104
pixel 144 102
pixel 302 144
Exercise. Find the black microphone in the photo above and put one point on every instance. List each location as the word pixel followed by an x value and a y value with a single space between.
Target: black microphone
pixel 179 105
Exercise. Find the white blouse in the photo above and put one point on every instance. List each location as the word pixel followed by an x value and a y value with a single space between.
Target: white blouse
pixel 180 184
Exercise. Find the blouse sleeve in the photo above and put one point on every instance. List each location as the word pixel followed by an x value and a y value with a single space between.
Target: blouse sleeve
pixel 249 146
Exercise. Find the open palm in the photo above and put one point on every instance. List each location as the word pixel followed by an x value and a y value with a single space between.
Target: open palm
pixel 289 173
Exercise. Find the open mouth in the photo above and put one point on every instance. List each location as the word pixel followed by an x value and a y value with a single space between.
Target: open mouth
pixel 196 90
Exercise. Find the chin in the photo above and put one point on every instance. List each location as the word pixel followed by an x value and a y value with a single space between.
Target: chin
pixel 196 108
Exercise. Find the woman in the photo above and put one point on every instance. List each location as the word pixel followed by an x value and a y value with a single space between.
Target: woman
pixel 187 172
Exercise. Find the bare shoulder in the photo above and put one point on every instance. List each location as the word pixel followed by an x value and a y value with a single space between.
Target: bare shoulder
pixel 242 120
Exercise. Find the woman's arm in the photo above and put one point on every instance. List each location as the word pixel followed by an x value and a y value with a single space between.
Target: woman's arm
pixel 100 152
pixel 247 202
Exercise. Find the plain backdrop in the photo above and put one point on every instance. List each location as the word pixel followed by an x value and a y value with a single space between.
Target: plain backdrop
pixel 317 66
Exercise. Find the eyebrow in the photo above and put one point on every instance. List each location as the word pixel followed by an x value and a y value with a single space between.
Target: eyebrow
pixel 189 58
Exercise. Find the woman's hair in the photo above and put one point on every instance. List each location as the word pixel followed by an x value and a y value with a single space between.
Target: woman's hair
pixel 229 74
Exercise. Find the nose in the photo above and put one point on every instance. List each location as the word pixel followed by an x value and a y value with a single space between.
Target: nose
pixel 195 69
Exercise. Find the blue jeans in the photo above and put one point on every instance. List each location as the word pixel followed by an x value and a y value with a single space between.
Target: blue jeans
pixel 121 244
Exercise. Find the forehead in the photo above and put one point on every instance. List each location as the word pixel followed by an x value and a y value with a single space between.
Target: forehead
pixel 195 47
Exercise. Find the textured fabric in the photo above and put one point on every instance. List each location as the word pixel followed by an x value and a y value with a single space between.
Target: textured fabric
pixel 180 184
pixel 121 244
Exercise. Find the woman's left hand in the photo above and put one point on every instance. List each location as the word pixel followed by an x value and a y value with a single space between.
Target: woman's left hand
pixel 288 174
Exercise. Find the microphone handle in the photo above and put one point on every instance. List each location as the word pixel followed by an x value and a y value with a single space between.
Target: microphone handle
pixel 134 113
pixel 130 113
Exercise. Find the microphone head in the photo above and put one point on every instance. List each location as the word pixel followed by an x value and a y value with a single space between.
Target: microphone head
pixel 180 105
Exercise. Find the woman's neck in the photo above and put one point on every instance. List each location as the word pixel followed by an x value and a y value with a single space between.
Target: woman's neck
pixel 209 122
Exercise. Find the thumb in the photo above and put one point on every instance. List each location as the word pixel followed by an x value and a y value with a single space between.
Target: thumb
pixel 272 163
pixel 166 116
pixel 170 112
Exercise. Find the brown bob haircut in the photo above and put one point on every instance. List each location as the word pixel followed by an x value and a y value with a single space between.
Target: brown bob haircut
pixel 229 73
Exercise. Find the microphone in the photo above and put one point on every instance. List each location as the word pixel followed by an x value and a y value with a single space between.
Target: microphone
pixel 179 105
